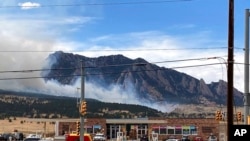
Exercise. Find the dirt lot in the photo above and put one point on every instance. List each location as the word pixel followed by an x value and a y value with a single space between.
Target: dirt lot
pixel 25 126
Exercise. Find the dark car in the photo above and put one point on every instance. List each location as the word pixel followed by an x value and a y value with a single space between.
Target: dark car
pixel 185 138
pixel 32 139
pixel 144 138
pixel 7 136
pixel 2 138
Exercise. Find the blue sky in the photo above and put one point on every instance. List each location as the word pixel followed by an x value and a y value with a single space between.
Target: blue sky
pixel 31 30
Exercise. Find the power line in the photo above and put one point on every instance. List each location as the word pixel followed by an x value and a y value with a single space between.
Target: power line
pixel 111 73
pixel 120 50
pixel 96 4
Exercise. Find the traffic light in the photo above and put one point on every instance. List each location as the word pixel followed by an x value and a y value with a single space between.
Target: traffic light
pixel 218 115
pixel 83 108
pixel 78 128
pixel 239 116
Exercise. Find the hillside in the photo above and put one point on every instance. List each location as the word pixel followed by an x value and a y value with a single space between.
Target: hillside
pixel 34 105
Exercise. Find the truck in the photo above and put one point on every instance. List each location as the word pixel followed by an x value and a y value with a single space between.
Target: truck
pixel 76 137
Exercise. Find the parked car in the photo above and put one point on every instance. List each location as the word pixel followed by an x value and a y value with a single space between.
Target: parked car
pixel 185 138
pixel 32 139
pixel 198 138
pixel 7 136
pixel 172 138
pixel 2 138
pixel 99 137
pixel 212 138
pixel 144 138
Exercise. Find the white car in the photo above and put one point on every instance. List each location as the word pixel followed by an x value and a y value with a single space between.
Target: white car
pixel 99 137
pixel 212 138
pixel 172 138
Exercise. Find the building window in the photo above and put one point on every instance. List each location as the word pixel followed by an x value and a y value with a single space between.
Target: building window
pixel 178 129
pixel 142 130
pixel 185 131
pixel 175 130
pixel 156 130
pixel 97 128
pixel 163 130
pixel 193 130
pixel 170 130
pixel 88 129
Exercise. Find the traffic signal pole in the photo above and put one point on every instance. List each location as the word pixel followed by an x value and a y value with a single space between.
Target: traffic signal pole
pixel 82 99
pixel 246 76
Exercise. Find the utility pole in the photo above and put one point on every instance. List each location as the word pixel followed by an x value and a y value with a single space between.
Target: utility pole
pixel 246 77
pixel 82 99
pixel 230 68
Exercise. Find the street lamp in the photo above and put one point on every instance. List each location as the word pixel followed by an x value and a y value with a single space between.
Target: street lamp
pixel 81 100
pixel 246 77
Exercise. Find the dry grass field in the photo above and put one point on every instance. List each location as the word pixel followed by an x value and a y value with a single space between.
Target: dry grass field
pixel 25 126
pixel 191 108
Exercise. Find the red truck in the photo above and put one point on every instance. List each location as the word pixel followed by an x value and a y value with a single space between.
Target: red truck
pixel 75 137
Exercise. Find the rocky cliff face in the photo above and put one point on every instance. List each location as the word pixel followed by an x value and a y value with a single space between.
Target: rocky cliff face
pixel 150 81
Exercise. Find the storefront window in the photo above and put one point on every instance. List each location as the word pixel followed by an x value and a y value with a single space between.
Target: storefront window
pixel 97 128
pixel 163 130
pixel 178 130
pixel 170 130
pixel 186 130
pixel 142 130
pixel 193 130
pixel 88 129
pixel 156 130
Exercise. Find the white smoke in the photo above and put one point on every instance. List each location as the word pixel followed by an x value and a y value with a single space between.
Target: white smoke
pixel 115 93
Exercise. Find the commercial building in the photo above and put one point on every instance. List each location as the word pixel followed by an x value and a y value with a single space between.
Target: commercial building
pixel 134 128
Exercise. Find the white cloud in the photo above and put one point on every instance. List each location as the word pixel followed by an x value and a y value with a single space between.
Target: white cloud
pixel 77 20
pixel 28 5
pixel 183 26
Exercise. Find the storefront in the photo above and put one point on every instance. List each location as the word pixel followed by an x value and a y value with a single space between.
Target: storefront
pixel 128 131
pixel 135 128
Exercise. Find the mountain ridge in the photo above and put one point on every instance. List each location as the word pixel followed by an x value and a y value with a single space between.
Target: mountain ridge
pixel 150 82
